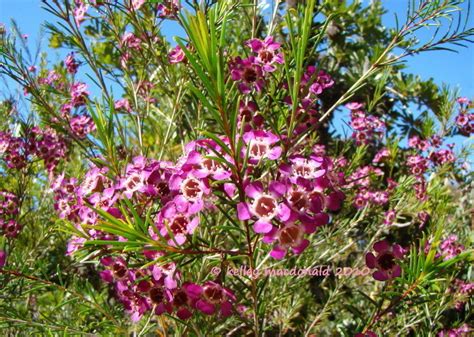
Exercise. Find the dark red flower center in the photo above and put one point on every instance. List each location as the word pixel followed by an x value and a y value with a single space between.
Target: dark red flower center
pixel 214 294
pixel 250 75
pixel 266 56
pixel 298 199
pixel 386 261
pixel 119 270
pixel 191 188
pixel 258 149
pixel 156 295
pixel 290 235
pixel 265 206
pixel 178 225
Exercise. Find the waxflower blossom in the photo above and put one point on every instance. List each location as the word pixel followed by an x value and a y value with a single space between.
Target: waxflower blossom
pixel 71 64
pixel 267 54
pixel 130 41
pixel 265 206
pixel 385 260
pixel 123 104
pixel 215 298
pixel 248 73
pixel 168 8
pixel 80 11
pixel 82 126
pixel 176 55
pixel 79 94
pixel 261 145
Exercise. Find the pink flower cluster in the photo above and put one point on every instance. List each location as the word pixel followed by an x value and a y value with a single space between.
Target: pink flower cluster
pixel 9 209
pixel 449 248
pixel 367 128
pixel 168 9
pixel 286 210
pixel 465 119
pixel 160 288
pixel 363 178
pixel 462 331
pixel 44 144
pixel 250 72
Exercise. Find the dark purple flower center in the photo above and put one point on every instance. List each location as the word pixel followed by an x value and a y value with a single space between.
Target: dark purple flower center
pixel 156 295
pixel 180 298
pixel 119 270
pixel 250 75
pixel 386 261
pixel 214 294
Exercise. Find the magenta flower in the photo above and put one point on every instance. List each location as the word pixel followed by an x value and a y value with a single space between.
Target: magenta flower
pixel 82 126
pixel 215 297
pixel 248 73
pixel 260 145
pixel 286 237
pixel 122 105
pixel 185 298
pixel 130 41
pixel 176 55
pixel 79 94
pixel 3 259
pixel 265 206
pixel 175 223
pixel 168 8
pixel 267 55
pixel 385 260
pixel 10 228
pixel 71 63
pixel 390 217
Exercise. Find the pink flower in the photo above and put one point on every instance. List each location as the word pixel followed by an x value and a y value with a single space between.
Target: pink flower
pixel 176 55
pixel 385 261
pixel 3 259
pixel 123 105
pixel 10 228
pixel 82 126
pixel 136 4
pixel 129 40
pixel 390 217
pixel 260 145
pixel 265 206
pixel 288 236
pixel 248 73
pixel 168 8
pixel 79 94
pixel 463 100
pixel 80 13
pixel 175 223
pixel 215 297
pixel 267 54
pixel 71 64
